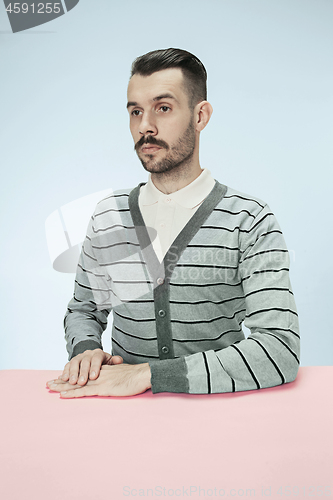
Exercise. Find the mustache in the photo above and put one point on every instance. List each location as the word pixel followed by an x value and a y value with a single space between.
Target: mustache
pixel 150 140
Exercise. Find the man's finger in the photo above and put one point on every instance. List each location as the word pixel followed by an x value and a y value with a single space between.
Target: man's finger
pixel 113 360
pixel 74 369
pixel 57 386
pixel 96 363
pixel 116 360
pixel 65 373
pixel 84 371
pixel 86 390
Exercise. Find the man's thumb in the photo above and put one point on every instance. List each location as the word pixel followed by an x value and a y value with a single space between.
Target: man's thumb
pixel 116 360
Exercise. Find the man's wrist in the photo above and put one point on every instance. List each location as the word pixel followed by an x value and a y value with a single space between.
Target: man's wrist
pixel 146 374
pixel 85 345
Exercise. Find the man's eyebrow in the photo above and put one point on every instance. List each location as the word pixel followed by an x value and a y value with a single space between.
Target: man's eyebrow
pixel 164 96
pixel 131 103
pixel 157 98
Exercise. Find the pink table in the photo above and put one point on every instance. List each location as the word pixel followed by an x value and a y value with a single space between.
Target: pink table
pixel 273 443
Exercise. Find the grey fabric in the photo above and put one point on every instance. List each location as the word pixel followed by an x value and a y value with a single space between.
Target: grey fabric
pixel 169 375
pixel 85 345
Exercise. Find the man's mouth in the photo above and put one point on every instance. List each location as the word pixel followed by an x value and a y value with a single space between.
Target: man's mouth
pixel 149 148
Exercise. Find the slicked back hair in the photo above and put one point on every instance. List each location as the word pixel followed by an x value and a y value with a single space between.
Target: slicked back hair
pixel 194 72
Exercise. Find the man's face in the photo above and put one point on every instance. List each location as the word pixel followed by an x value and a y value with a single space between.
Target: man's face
pixel 161 122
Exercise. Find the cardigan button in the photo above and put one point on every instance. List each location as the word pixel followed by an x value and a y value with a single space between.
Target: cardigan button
pixel 161 313
pixel 165 349
pixel 160 281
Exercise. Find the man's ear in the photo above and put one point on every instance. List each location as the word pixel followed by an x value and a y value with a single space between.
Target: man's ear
pixel 202 112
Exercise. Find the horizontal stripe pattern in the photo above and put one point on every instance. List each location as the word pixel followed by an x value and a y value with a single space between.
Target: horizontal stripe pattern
pixel 234 271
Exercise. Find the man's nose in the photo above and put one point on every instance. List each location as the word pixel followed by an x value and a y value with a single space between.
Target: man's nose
pixel 147 125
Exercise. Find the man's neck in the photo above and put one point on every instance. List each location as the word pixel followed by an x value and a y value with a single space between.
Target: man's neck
pixel 170 182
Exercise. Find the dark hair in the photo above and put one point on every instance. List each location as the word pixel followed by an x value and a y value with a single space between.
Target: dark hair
pixel 194 72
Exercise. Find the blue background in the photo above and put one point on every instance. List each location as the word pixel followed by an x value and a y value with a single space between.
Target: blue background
pixel 64 135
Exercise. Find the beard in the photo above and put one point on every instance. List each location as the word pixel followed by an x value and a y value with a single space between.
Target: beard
pixel 178 155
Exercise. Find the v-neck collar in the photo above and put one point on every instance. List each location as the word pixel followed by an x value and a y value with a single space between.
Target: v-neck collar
pixel 163 270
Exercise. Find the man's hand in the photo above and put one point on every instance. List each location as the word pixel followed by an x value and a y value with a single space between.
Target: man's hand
pixel 86 366
pixel 117 380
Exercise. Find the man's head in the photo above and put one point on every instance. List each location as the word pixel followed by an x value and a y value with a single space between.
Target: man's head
pixel 168 109
pixel 194 72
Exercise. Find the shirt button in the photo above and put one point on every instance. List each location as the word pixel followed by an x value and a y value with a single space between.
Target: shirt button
pixel 167 200
pixel 165 349
pixel 162 224
pixel 160 281
pixel 161 313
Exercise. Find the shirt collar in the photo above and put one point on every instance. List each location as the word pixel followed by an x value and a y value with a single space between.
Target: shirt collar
pixel 189 196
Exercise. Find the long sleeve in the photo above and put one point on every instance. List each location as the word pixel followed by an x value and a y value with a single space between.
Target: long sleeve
pixel 88 310
pixel 270 354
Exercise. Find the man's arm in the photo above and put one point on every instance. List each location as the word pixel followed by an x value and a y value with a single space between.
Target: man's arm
pixel 84 322
pixel 270 355
pixel 88 310
pixel 86 318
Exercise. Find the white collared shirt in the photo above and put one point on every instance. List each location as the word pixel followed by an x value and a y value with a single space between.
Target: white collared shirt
pixel 168 214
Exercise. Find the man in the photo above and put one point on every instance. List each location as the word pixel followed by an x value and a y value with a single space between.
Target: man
pixel 181 261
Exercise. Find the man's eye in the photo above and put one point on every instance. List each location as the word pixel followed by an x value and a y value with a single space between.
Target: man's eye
pixel 164 108
pixel 135 112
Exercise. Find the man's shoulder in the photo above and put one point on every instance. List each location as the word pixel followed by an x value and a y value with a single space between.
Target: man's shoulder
pixel 114 200
pixel 237 200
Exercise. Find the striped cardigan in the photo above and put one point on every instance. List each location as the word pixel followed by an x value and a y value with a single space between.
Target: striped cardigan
pixel 184 316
